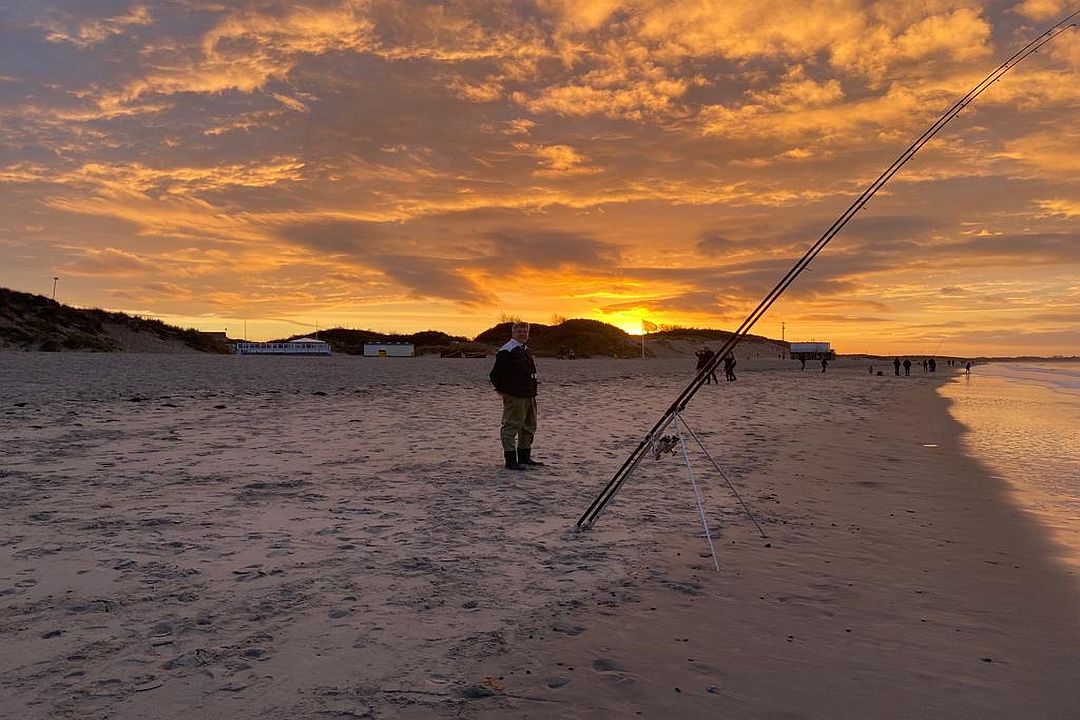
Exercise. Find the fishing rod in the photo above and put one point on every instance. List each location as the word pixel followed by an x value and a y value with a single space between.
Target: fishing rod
pixel 630 464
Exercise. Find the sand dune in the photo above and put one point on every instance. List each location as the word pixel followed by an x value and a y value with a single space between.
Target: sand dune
pixel 230 537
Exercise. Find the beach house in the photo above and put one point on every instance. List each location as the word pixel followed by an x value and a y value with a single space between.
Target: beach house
pixel 812 351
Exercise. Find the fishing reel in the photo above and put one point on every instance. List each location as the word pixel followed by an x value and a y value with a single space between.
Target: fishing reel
pixel 667 444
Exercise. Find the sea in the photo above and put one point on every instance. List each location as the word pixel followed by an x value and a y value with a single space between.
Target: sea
pixel 1023 424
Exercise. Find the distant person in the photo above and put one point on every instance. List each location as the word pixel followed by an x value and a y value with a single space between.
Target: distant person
pixel 871 369
pixel 896 366
pixel 933 364
pixel 825 365
pixel 729 367
pixel 570 354
pixel 704 358
pixel 514 378
pixel 925 365
pixel 907 366
pixel 967 368
pixel 802 362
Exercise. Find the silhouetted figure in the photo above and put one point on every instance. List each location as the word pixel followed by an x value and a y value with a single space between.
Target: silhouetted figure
pixel 802 362
pixel 925 365
pixel 704 358
pixel 825 364
pixel 570 354
pixel 933 364
pixel 896 366
pixel 907 366
pixel 729 367
pixel 967 368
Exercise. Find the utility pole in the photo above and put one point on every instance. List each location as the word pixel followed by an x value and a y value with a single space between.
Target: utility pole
pixel 54 281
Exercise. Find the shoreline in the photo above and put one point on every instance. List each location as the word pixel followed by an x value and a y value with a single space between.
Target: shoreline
pixel 243 540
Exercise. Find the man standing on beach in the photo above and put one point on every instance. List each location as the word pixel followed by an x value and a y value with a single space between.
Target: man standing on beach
pixel 514 378
pixel 729 367
pixel 896 366
pixel 704 357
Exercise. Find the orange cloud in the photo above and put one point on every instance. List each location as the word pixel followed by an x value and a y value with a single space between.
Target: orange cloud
pixel 1067 208
pixel 558 160
pixel 87 32
pixel 1043 9
pixel 107 261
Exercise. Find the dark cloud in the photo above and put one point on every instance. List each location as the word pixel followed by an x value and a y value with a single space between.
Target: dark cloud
pixel 712 242
pixel 1063 341
pixel 431 278
pixel 1027 247
pixel 351 238
pixel 548 250
pixel 384 248
pixel 1063 317
pixel 746 280
pixel 110 262
pixel 882 232
pixel 697 302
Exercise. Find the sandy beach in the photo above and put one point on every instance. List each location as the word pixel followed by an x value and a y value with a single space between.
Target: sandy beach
pixel 242 537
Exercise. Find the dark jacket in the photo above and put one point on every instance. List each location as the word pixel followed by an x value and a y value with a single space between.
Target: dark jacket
pixel 514 372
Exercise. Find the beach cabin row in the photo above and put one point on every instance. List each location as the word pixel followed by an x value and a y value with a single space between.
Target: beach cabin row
pixel 389 349
pixel 300 346
pixel 812 351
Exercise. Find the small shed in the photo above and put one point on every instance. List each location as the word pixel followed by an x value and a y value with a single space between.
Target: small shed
pixel 389 349
pixel 812 351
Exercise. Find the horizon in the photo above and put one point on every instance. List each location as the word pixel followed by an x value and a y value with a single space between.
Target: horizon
pixel 471 337
pixel 397 165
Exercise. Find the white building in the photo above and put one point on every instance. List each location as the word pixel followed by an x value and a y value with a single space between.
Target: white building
pixel 389 349
pixel 812 351
pixel 300 346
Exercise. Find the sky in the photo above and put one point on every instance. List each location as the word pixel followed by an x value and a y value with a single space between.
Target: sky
pixel 403 166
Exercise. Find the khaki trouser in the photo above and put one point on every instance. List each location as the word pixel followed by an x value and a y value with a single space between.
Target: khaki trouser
pixel 518 422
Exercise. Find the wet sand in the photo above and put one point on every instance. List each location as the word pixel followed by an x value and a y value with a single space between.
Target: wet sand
pixel 222 537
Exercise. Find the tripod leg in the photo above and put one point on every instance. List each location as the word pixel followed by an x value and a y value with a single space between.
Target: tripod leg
pixel 726 480
pixel 679 425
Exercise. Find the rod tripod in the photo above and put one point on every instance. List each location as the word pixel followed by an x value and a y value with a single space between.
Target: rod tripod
pixel 672 443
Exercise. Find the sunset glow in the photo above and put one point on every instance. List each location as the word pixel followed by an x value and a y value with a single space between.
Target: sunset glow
pixel 406 166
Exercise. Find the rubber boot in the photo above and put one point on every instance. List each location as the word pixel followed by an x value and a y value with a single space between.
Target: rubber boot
pixel 511 460
pixel 524 458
